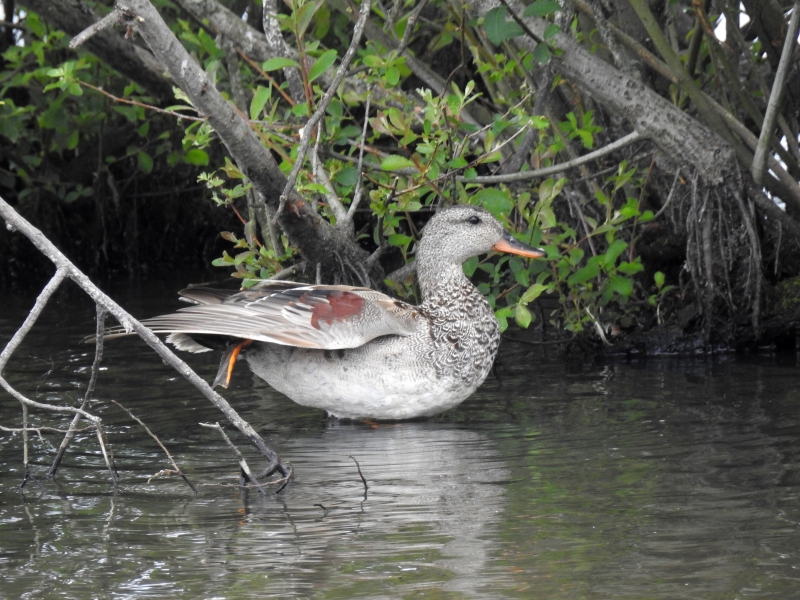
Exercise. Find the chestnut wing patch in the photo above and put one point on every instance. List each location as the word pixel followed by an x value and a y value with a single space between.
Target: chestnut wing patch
pixel 338 306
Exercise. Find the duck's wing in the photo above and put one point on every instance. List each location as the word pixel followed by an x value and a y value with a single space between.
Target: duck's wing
pixel 308 316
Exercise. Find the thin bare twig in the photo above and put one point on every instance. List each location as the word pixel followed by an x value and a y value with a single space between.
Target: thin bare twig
pixel 357 192
pixel 108 457
pixel 247 474
pixel 172 113
pixel 158 441
pixel 98 357
pixel 305 135
pixel 321 176
pixel 109 20
pixel 360 474
pixel 581 160
pixel 671 195
pixel 40 429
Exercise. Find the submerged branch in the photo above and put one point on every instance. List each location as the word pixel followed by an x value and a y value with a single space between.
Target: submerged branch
pixel 162 446
pixel 65 268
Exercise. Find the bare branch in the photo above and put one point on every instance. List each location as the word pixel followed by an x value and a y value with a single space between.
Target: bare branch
pixel 559 168
pixel 108 21
pixel 357 192
pixel 760 159
pixel 64 266
pixel 247 474
pixel 272 33
pixel 98 357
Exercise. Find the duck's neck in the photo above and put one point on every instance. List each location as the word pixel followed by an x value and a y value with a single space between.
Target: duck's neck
pixel 441 281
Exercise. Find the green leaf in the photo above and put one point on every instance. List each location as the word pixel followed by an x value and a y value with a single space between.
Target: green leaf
pixel 502 317
pixel 145 162
pixel 259 100
pixel 73 139
pixel 646 216
pixel 541 53
pixel 243 256
pixel 630 268
pixel 395 162
pixel 392 76
pixel 399 239
pixel 304 16
pixel 459 162
pixel 621 285
pixel 522 316
pixel 659 279
pixel 583 275
pixel 551 31
pixel 616 248
pixel 532 293
pixel 195 156
pixel 347 176
pixel 494 200
pixel 470 265
pixel 541 8
pixel 321 65
pixel 273 64
pixel 497 28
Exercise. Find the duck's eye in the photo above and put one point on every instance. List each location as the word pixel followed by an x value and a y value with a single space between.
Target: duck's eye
pixel 474 220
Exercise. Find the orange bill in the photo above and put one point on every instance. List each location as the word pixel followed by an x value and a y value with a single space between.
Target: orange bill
pixel 513 246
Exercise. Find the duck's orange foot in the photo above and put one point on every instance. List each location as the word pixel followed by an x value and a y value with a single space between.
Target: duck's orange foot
pixel 225 371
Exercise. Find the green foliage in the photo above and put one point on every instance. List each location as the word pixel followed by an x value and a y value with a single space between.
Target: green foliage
pixel 499 27
pixel 417 154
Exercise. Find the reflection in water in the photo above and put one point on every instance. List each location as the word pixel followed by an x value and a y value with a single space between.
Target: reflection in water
pixel 660 479
pixel 431 510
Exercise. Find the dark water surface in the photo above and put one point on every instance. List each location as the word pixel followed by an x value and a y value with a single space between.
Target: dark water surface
pixel 670 478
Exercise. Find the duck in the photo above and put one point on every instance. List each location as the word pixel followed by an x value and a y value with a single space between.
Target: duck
pixel 353 351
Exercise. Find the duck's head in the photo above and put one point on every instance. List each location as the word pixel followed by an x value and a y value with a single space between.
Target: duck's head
pixel 460 232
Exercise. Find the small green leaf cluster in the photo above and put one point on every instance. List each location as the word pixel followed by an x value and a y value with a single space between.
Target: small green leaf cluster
pixel 500 27
pixel 592 272
pixel 58 110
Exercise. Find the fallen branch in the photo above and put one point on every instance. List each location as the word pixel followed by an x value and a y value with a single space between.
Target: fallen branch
pixel 65 268
pixel 248 478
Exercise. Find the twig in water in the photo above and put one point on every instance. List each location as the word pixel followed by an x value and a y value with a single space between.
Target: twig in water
pixel 360 474
pixel 158 441
pixel 98 357
pixel 247 474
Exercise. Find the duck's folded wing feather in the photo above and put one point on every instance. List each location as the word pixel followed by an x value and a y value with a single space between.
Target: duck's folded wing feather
pixel 324 317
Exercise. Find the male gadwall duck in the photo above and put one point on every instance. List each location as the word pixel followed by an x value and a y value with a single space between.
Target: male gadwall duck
pixel 356 352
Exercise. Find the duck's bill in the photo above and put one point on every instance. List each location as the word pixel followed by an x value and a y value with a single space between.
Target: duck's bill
pixel 513 246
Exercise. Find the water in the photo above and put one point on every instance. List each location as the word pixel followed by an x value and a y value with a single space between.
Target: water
pixel 670 478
